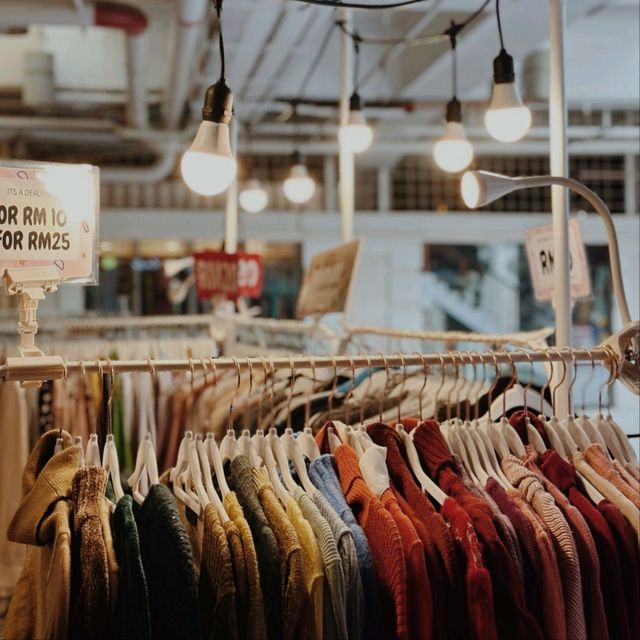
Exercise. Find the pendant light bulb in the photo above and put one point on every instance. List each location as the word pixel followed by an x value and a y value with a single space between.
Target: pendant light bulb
pixel 507 119
pixel 453 152
pixel 208 166
pixel 254 197
pixel 299 186
pixel 355 135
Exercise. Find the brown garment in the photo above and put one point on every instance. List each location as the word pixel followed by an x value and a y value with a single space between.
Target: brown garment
pixel 95 569
pixel 295 599
pixel 40 604
pixel 216 587
pixel 249 602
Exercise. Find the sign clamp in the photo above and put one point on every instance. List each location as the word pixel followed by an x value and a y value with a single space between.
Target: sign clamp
pixel 31 284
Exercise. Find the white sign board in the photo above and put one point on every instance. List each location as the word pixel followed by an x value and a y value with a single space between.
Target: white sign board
pixel 541 259
pixel 49 217
pixel 327 285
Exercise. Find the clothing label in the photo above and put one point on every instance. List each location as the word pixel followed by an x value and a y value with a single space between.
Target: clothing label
pixel 541 258
pixel 228 274
pixel 48 217
pixel 327 284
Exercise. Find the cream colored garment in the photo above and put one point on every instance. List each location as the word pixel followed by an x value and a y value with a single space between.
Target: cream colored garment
pixel 14 449
pixel 610 492
pixel 40 604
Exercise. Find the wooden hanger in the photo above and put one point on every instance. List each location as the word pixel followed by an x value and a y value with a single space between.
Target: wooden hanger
pixel 264 451
pixel 92 453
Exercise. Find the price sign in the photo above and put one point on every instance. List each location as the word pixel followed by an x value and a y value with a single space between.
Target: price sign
pixel 327 284
pixel 228 274
pixel 541 259
pixel 48 217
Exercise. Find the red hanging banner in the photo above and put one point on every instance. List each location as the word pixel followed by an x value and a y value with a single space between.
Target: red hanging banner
pixel 231 275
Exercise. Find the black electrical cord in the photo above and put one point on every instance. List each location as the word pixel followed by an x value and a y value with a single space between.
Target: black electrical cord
pixel 454 66
pixel 499 24
pixel 360 5
pixel 218 6
pixel 356 63
pixel 434 38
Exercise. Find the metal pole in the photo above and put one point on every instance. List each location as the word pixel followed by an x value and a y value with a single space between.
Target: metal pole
pixel 559 158
pixel 347 177
pixel 231 203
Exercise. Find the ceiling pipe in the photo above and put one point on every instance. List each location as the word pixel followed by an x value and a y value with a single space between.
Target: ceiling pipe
pixel 151 174
pixel 101 14
pixel 192 15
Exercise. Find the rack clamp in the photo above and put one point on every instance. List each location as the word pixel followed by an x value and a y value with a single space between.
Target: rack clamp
pixel 31 284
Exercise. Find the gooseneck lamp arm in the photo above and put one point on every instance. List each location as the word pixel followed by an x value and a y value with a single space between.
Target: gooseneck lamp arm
pixel 479 188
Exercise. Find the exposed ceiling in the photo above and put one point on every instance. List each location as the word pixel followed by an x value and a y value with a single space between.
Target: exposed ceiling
pixel 271 45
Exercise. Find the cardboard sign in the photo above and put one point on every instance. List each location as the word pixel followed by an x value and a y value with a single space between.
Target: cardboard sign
pixel 539 242
pixel 49 217
pixel 228 274
pixel 327 284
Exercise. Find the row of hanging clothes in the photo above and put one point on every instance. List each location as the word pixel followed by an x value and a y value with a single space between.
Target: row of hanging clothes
pixel 384 502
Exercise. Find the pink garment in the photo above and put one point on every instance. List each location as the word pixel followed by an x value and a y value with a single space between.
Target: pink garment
pixel 597 458
pixel 626 476
pixel 569 563
pixel 593 602
pixel 553 620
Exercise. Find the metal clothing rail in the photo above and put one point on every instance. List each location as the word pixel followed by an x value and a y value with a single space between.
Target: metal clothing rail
pixel 33 369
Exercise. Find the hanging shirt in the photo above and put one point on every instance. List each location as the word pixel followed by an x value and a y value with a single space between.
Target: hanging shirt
pixel 249 602
pixel 40 604
pixel 296 606
pixel 131 619
pixel 568 561
pixel 95 588
pixel 384 539
pixel 322 474
pixel 312 568
pixel 167 559
pixel 266 545
pixel 444 570
pixel 513 618
pixel 563 476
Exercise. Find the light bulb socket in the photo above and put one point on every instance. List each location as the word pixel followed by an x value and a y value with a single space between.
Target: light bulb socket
pixel 218 103
pixel 454 110
pixel 296 158
pixel 503 70
pixel 355 104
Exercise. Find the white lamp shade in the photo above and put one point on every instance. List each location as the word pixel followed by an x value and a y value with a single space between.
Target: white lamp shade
pixel 299 186
pixel 356 135
pixel 453 152
pixel 507 119
pixel 253 198
pixel 208 166
pixel 479 188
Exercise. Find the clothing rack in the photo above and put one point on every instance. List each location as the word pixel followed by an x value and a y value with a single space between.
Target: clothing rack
pixel 520 339
pixel 30 369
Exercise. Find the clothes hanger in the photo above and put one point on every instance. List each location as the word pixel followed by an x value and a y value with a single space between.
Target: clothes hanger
pixel 578 434
pixel 229 445
pixel 245 444
pixel 550 423
pixel 182 476
pixel 92 452
pixel 306 440
pixel 110 454
pixel 594 427
pixel 290 443
pixel 427 485
pixel 483 443
pixel 533 437
pixel 211 446
pixel 334 440
pixel 357 440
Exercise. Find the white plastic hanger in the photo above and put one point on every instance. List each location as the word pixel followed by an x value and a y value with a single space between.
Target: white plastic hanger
pixel 111 465
pixel 281 458
pixel 245 447
pixel 77 441
pixel 294 453
pixel 92 454
pixel 373 467
pixel 264 451
pixel 229 446
pixel 308 444
pixel 213 453
pixel 183 473
pixel 146 462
